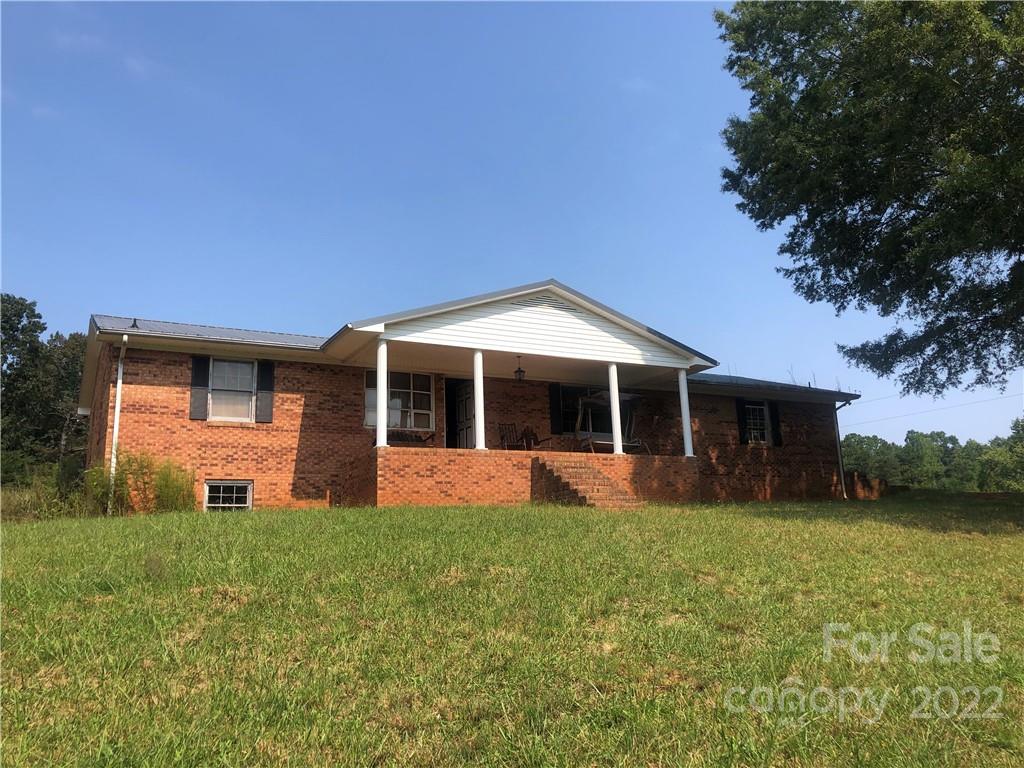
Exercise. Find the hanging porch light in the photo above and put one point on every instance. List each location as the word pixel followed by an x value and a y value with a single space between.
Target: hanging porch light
pixel 519 373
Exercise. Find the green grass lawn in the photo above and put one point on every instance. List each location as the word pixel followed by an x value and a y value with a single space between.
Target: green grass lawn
pixel 528 636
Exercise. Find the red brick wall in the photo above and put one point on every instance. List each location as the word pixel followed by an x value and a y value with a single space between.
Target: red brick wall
pixel 525 404
pixel 805 466
pixel 434 477
pixel 653 478
pixel 452 476
pixel 101 408
pixel 317 442
pixel 361 488
pixel 865 488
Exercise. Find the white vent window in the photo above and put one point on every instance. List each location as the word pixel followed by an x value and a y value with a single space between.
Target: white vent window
pixel 545 300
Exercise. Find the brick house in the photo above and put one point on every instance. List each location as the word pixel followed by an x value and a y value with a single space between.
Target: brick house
pixel 532 393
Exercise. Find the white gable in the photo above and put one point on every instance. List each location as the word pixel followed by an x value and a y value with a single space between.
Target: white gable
pixel 541 323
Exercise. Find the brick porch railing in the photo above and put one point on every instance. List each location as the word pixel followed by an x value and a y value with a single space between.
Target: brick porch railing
pixel 438 476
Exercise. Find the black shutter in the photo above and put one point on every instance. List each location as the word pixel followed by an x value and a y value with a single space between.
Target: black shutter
pixel 199 399
pixel 741 420
pixel 265 391
pixel 773 416
pixel 555 404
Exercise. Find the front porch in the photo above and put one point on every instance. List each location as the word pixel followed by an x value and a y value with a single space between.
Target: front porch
pixel 472 400
pixel 595 404
pixel 393 476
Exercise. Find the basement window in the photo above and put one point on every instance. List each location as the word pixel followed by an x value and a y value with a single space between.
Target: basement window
pixel 228 494
pixel 757 422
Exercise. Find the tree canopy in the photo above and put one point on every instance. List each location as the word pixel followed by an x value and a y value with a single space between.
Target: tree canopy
pixel 39 384
pixel 890 138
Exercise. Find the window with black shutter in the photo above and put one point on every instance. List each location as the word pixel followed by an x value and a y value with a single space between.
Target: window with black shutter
pixel 555 408
pixel 199 397
pixel 758 422
pixel 232 389
pixel 773 418
pixel 265 391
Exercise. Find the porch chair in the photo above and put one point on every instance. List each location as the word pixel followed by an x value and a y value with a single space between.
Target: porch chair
pixel 510 438
pixel 514 440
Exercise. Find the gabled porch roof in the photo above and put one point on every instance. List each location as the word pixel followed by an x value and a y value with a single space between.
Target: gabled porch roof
pixel 378 324
pixel 557 328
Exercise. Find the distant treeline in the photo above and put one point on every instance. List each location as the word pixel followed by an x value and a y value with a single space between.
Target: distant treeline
pixel 938 460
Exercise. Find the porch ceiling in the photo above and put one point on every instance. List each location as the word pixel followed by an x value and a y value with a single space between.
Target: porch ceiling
pixel 458 362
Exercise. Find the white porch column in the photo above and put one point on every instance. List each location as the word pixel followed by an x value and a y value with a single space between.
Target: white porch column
pixel 382 393
pixel 479 431
pixel 613 401
pixel 684 408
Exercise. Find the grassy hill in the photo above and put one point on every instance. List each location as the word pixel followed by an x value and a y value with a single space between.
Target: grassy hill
pixel 528 636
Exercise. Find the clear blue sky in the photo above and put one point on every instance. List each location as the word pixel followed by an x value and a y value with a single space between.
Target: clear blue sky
pixel 293 167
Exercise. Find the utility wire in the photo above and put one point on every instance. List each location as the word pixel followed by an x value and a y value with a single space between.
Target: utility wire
pixel 876 399
pixel 932 410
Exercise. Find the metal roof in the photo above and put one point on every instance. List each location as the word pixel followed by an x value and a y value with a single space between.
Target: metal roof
pixel 165 329
pixel 307 343
pixel 743 382
pixel 136 326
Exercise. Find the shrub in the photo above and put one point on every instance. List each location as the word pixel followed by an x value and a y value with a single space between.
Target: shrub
pixel 20 503
pixel 136 471
pixel 40 498
pixel 69 473
pixel 173 488
pixel 98 489
pixel 139 485
pixel 16 468
pixel 142 485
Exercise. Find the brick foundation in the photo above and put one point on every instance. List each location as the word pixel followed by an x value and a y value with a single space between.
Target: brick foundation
pixel 432 477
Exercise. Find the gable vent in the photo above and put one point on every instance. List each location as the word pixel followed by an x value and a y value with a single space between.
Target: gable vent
pixel 545 300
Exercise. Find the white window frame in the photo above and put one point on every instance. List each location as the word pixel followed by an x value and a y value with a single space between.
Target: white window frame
pixel 370 373
pixel 221 507
pixel 763 406
pixel 252 391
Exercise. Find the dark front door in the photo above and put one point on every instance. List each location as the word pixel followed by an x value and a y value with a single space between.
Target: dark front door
pixel 464 414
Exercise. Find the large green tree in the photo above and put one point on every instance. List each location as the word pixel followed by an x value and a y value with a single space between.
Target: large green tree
pixel 39 384
pixel 1002 465
pixel 889 137
pixel 872 456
